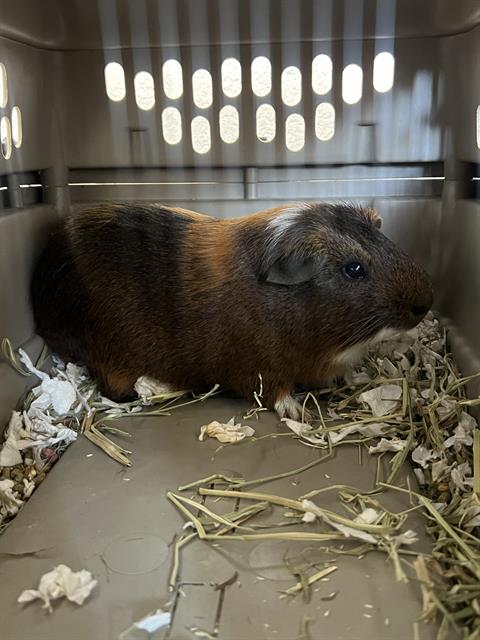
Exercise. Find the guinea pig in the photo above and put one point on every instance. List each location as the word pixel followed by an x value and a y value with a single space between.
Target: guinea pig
pixel 292 294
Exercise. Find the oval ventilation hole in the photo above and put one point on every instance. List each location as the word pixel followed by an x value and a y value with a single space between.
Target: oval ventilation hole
pixel 324 121
pixel 231 77
pixel 291 86
pixel 172 77
pixel 265 123
pixel 144 90
pixel 322 74
pixel 383 72
pixel 171 125
pixel 115 81
pixel 352 81
pixel 261 76
pixel 202 88
pixel 6 137
pixel 201 139
pixel 478 126
pixel 3 86
pixel 17 129
pixel 229 124
pixel 295 132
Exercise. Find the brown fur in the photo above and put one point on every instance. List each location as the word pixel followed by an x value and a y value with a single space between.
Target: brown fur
pixel 135 289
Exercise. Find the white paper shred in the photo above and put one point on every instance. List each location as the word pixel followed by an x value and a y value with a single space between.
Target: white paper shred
pixel 9 453
pixel 368 516
pixel 303 430
pixel 308 516
pixel 405 538
pixel 348 532
pixel 420 475
pixel 33 433
pixel 382 400
pixel 440 470
pixel 371 429
pixel 147 387
pixel 445 408
pixel 61 582
pixel 150 624
pixel 51 393
pixel 422 456
pixel 462 433
pixel 9 503
pixel 228 432
pixel 395 444
pixel 461 476
pixel 29 487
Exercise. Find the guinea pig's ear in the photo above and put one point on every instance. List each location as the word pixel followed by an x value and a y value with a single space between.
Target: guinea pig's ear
pixel 373 217
pixel 292 269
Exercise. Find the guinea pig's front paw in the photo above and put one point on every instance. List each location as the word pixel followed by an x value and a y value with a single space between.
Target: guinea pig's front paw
pixel 288 407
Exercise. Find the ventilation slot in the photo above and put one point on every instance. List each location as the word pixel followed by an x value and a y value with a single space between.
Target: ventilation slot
pixel 291 86
pixel 201 138
pixel 171 125
pixel 352 84
pixel 115 81
pixel 202 88
pixel 144 90
pixel 229 124
pixel 261 76
pixel 231 77
pixel 295 132
pixel 325 121
pixel 383 72
pixel 172 78
pixel 265 123
pixel 322 74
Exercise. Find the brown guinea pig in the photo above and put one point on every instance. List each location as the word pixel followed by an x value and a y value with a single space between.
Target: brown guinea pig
pixel 292 293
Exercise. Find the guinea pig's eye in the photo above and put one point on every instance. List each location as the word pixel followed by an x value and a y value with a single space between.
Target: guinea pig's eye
pixel 354 271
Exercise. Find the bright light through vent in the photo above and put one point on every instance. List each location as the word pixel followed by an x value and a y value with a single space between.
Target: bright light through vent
pixel 231 77
pixel 115 81
pixel 202 88
pixel 3 86
pixel 295 132
pixel 6 137
pixel 291 86
pixel 383 72
pixel 325 121
pixel 229 124
pixel 478 126
pixel 265 123
pixel 201 137
pixel 17 130
pixel 172 78
pixel 144 90
pixel 261 76
pixel 352 83
pixel 171 125
pixel 322 74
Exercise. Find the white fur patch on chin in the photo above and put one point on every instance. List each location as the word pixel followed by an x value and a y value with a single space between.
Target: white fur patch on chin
pixel 351 356
pixel 288 407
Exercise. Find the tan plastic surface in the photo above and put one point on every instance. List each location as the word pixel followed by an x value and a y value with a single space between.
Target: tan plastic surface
pixel 117 523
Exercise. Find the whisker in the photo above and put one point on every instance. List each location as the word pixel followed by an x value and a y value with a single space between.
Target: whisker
pixel 365 327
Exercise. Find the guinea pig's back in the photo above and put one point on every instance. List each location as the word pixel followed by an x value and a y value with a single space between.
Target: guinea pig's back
pixel 108 271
